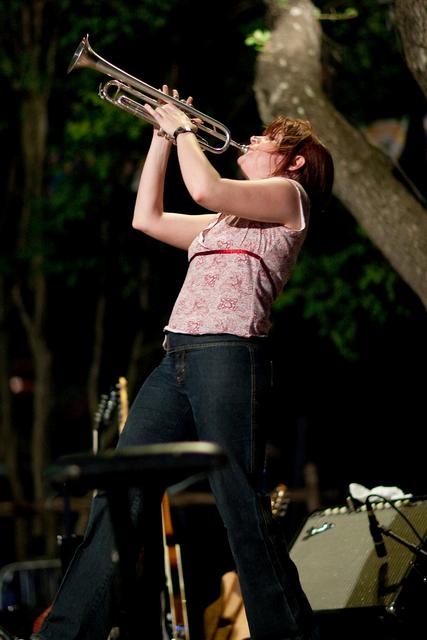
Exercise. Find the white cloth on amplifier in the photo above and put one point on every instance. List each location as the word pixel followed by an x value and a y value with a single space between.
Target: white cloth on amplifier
pixel 361 493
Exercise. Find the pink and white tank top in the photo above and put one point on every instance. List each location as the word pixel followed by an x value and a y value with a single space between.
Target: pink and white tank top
pixel 237 267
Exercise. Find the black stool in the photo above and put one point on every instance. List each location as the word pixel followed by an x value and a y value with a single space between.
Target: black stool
pixel 115 471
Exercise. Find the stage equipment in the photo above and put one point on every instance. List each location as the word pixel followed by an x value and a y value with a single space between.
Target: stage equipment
pixel 115 471
pixel 118 91
pixel 345 578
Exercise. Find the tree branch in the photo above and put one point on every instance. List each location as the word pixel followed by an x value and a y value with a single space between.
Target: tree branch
pixel 289 80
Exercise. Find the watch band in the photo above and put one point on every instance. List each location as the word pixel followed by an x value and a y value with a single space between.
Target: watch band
pixel 182 130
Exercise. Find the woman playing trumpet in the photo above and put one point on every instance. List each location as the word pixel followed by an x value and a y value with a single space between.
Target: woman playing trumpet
pixel 213 382
pixel 217 363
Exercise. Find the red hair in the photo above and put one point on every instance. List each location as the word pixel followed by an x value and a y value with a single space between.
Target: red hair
pixel 296 138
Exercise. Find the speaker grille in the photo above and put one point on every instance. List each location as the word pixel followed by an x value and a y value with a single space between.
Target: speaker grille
pixel 337 563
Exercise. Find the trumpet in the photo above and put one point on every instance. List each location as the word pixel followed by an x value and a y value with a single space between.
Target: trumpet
pixel 130 94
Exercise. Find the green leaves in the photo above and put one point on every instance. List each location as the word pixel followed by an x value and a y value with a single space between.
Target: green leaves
pixel 344 292
pixel 258 39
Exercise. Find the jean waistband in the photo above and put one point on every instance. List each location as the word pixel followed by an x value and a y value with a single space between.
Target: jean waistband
pixel 174 341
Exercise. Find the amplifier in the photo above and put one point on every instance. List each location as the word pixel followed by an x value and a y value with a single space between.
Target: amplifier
pixel 341 573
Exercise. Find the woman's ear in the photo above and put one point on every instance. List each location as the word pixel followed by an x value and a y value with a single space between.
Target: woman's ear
pixel 297 163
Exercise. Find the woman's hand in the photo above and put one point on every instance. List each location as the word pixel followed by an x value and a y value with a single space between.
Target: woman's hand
pixel 169 117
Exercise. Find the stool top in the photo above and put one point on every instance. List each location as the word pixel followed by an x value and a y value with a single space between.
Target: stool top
pixel 131 466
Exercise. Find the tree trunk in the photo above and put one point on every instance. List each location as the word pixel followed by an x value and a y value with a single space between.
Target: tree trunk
pixel 95 366
pixel 288 81
pixel 8 433
pixel 34 73
pixel 411 20
pixel 33 136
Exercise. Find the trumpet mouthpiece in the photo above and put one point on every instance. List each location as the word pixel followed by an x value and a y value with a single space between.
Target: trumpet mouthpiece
pixel 241 148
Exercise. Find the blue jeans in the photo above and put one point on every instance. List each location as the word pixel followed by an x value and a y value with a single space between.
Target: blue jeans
pixel 211 388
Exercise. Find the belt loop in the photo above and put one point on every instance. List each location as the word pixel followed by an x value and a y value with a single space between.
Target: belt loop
pixel 165 343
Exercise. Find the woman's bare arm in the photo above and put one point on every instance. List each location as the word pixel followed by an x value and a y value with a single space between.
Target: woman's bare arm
pixel 176 229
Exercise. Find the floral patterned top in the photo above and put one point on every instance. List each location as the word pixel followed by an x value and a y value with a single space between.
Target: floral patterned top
pixel 236 269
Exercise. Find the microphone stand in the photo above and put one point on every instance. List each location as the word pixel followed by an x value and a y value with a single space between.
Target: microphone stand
pixel 416 549
pixel 412 547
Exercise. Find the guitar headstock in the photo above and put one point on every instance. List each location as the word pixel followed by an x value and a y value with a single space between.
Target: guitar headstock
pixel 122 387
pixel 115 401
pixel 101 410
pixel 279 500
pixel 102 416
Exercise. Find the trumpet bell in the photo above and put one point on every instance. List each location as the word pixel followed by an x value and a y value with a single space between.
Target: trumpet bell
pixel 118 91
pixel 79 52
